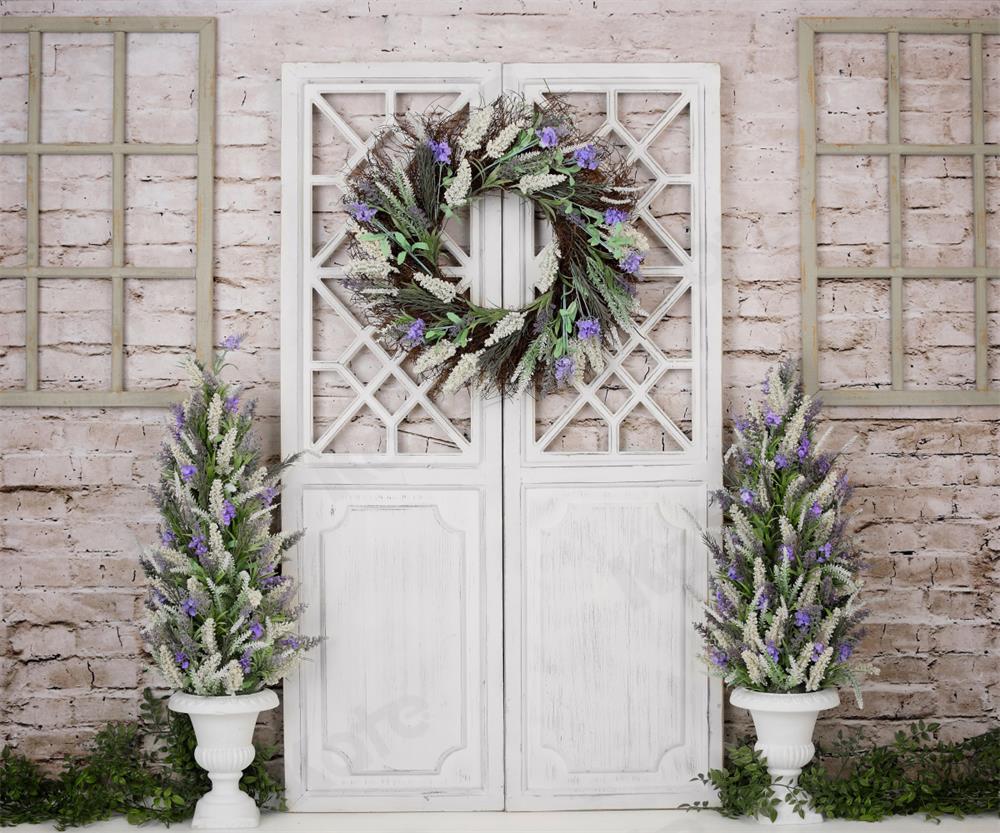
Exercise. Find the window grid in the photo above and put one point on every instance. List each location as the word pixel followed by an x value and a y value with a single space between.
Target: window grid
pixel 117 149
pixel 895 150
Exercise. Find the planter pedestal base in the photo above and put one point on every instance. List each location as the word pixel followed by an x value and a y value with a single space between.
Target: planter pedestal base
pixel 224 729
pixel 784 724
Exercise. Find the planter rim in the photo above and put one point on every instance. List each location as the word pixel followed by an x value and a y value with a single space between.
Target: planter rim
pixel 223 703
pixel 767 701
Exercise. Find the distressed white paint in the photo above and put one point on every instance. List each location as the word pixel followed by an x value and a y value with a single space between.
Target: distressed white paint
pixel 401 564
pixel 605 704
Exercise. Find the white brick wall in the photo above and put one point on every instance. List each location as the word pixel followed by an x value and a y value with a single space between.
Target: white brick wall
pixel 72 482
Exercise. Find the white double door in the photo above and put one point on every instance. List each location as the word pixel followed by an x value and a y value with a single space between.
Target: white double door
pixel 505 589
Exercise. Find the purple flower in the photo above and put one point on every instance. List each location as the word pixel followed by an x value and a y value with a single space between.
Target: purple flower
pixel 178 420
pixel 630 263
pixel 824 464
pixel 256 630
pixel 772 651
pixel 762 601
pixel 547 137
pixel 415 333
pixel 731 572
pixel 190 607
pixel 741 424
pixel 228 512
pixel 181 659
pixel 361 211
pixel 441 151
pixel 787 551
pixel 232 404
pixel 815 510
pixel 803 449
pixel 586 157
pixel 271 581
pixel 818 648
pixel 565 367
pixel 844 651
pixel 245 661
pixel 722 604
pixel 267 496
pixel 198 545
pixel 748 461
pixel 167 538
pixel 780 461
pixel 826 549
pixel 188 473
pixel 588 328
pixel 746 497
pixel 614 215
pixel 771 419
pixel 802 618
pixel 232 342
pixel 291 642
pixel 719 658
pixel 158 597
pixel 765 386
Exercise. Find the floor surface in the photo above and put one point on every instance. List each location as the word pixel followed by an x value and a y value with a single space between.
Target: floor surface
pixel 631 821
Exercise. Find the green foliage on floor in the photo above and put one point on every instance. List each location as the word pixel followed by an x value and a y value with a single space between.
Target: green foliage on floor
pixel 144 770
pixel 856 779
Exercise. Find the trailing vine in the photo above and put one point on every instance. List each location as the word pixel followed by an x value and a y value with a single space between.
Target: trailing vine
pixel 856 779
pixel 143 769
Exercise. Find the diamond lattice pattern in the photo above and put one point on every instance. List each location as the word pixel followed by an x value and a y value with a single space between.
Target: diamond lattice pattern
pixel 643 401
pixel 364 399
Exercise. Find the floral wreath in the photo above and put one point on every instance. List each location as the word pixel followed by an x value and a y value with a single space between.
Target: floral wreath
pixel 412 181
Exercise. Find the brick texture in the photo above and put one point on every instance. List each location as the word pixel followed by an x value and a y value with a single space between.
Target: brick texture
pixel 72 483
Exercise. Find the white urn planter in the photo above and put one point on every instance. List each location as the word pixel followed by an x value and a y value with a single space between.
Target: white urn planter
pixel 224 727
pixel 784 724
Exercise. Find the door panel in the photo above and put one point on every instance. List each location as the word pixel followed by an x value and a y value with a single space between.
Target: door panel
pixel 606 483
pixel 401 579
pixel 505 589
pixel 399 487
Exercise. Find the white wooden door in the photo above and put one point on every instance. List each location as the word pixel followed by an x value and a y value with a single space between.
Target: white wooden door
pixel 399 490
pixel 465 557
pixel 605 486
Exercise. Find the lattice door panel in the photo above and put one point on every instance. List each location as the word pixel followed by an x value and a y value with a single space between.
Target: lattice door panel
pixel 366 400
pixel 644 401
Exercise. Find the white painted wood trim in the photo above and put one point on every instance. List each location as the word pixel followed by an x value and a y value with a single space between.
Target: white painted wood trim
pixel 323 489
pixel 696 470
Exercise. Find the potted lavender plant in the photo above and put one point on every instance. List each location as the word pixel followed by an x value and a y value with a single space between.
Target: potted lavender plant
pixel 221 622
pixel 782 615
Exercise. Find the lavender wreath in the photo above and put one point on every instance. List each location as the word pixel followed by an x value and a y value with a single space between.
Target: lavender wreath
pixel 419 172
